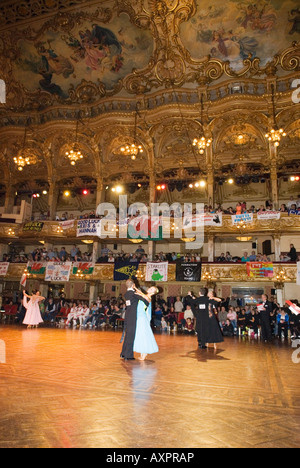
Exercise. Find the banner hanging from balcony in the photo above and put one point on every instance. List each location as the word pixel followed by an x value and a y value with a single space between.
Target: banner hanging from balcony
pixel 34 226
pixel 188 272
pixel 157 271
pixel 88 227
pixel 4 268
pixel 125 270
pixel 263 215
pixel 260 269
pixel 86 268
pixel 242 218
pixel 58 272
pixel 36 268
pixel 146 228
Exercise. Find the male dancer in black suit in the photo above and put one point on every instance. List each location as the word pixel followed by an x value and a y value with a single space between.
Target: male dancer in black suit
pixel 265 319
pixel 131 299
pixel 200 308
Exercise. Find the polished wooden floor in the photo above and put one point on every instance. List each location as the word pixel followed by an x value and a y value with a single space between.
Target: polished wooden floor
pixel 68 388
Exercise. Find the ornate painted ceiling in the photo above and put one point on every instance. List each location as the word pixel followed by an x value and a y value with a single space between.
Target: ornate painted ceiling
pixel 96 60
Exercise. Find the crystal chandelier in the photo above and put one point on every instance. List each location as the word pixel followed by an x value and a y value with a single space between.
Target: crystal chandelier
pixel 276 133
pixel 74 154
pixel 24 157
pixel 21 162
pixel 202 143
pixel 134 149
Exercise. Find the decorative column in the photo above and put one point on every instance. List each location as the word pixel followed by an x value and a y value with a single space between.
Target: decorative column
pixel 211 248
pixel 152 195
pixel 9 199
pixel 100 195
pixel 210 177
pixel 53 199
pixel 277 249
pixel 274 177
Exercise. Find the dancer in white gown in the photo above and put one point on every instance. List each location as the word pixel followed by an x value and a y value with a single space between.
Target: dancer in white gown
pixel 33 315
pixel 144 342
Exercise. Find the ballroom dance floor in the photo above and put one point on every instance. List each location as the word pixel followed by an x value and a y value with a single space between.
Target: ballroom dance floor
pixel 70 389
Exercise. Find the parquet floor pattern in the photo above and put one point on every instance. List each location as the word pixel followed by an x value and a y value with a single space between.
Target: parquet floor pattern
pixel 69 388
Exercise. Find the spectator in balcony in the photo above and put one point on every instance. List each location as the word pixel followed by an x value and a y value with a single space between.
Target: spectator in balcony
pixel 283 208
pixel 252 257
pixel 290 204
pixel 222 258
pixel 62 254
pixel 74 252
pixel 245 257
pixel 238 209
pixel 293 253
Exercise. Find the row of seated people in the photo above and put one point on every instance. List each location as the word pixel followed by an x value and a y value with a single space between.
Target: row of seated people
pixel 169 315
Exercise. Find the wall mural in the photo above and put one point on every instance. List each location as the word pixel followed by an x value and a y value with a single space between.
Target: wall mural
pixel 90 51
pixel 233 29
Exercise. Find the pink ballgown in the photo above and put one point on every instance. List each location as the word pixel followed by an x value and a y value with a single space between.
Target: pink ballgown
pixel 33 314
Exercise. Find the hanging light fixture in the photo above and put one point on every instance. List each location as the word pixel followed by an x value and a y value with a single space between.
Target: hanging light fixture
pixel 202 143
pixel 24 157
pixel 74 154
pixel 276 133
pixel 133 149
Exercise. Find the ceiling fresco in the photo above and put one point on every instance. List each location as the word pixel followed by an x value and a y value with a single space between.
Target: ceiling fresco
pixel 58 57
pixel 233 30
pixel 104 48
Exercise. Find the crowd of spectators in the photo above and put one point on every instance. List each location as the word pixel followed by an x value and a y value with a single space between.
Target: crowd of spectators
pixel 241 207
pixel 108 256
pixel 173 314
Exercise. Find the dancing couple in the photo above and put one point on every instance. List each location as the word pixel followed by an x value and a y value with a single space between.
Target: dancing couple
pixel 139 337
pixel 207 326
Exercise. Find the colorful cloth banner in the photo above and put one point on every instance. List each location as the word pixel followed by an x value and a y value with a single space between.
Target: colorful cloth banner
pixel 36 268
pixel 58 272
pixel 157 271
pixel 125 270
pixel 262 215
pixel 88 227
pixel 4 268
pixel 87 268
pixel 146 228
pixel 244 217
pixel 188 272
pixel 260 269
pixel 36 226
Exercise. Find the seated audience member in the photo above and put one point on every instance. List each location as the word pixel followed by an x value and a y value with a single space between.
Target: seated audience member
pixel 228 329
pixel 253 321
pixel 242 322
pixel 50 311
pixel 283 323
pixel 252 257
pixel 164 325
pixel 189 327
pixel 222 317
pixel 231 315
pixel 72 315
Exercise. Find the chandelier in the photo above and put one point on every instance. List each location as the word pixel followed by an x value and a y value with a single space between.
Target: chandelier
pixel 276 133
pixel 74 154
pixel 24 157
pixel 203 142
pixel 134 149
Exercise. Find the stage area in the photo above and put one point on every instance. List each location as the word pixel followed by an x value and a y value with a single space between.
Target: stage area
pixel 69 388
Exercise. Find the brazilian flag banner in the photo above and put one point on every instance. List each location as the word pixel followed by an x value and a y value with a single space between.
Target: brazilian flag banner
pixel 125 270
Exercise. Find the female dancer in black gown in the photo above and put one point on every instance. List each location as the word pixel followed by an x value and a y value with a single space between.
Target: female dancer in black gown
pixel 214 332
